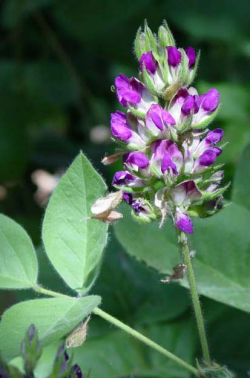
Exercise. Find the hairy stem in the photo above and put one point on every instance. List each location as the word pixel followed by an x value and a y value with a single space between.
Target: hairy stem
pixel 195 297
pixel 127 329
pixel 41 290
pixel 145 340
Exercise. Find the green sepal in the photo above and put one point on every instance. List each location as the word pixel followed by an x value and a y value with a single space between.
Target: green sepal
pixel 186 124
pixel 151 38
pixel 137 46
pixel 173 134
pixel 164 65
pixel 192 77
pixel 128 189
pixel 207 121
pixel 212 195
pixel 140 219
pixel 147 80
pixel 144 43
pixel 136 112
pixel 207 209
pixel 165 36
pixel 184 71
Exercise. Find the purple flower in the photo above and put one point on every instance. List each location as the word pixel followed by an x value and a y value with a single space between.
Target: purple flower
pixel 119 127
pixel 206 159
pixel 186 102
pixel 126 93
pixel 215 180
pixel 210 100
pixel 185 193
pixel 166 157
pixel 143 210
pixel 158 120
pixel 182 105
pixel 191 54
pixel 214 136
pixel 136 159
pixel 128 197
pixel 149 62
pixel 174 56
pixel 200 154
pixel 137 162
pixel 183 222
pixel 124 178
pixel 167 163
pixel 124 128
pixel 132 92
pixel 138 207
pixel 188 105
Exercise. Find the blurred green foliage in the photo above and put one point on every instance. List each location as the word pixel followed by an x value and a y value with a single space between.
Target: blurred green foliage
pixel 58 60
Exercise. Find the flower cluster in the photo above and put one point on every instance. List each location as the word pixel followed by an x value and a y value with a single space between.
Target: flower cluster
pixel 169 154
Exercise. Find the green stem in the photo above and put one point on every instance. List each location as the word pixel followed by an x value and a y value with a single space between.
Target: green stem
pixel 127 329
pixel 195 297
pixel 41 290
pixel 145 340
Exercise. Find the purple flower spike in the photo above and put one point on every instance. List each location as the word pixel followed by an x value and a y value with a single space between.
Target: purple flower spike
pixel 137 159
pixel 190 51
pixel 149 62
pixel 174 56
pixel 210 100
pixel 215 136
pixel 123 178
pixel 184 223
pixel 167 163
pixel 188 105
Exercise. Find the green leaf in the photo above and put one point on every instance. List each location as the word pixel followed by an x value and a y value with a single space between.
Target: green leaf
pixel 222 260
pixel 74 244
pixel 53 318
pixel 105 356
pixel 241 191
pixel 18 262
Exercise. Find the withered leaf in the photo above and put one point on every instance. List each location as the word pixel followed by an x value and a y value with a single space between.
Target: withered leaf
pixel 108 203
pixel 178 273
pixel 78 336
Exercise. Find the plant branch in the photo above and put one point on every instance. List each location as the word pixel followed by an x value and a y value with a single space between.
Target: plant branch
pixel 195 297
pixel 41 290
pixel 127 329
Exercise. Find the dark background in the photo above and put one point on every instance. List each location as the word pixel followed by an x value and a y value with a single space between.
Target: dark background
pixel 58 61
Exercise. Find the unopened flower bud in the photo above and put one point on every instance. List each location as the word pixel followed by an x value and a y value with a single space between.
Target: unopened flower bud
pixel 30 349
pixel 183 222
pixel 75 372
